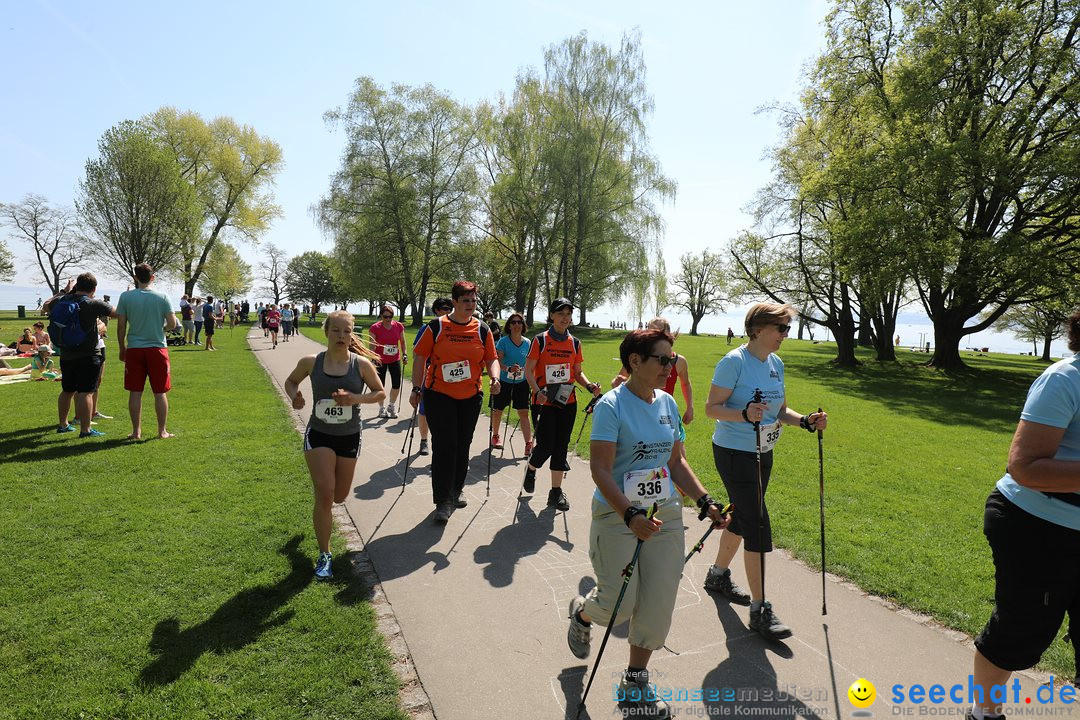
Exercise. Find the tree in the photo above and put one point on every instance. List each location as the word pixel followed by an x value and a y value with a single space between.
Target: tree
pixel 226 274
pixel 661 300
pixel 309 277
pixel 134 201
pixel 51 234
pixel 700 284
pixel 1033 322
pixel 231 168
pixel 272 271
pixel 7 263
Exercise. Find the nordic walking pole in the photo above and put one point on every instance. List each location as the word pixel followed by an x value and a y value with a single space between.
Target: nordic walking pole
pixel 491 430
pixel 588 410
pixel 760 494
pixel 821 505
pixel 712 526
pixel 627 573
pixel 408 457
pixel 505 439
pixel 409 432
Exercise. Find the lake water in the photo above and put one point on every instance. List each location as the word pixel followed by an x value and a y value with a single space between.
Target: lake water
pixel 914 329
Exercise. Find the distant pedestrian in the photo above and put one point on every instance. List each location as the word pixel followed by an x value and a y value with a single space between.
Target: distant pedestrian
pixel 143 316
pixel 197 317
pixel 187 319
pixel 287 316
pixel 273 324
pixel 730 335
pixel 210 321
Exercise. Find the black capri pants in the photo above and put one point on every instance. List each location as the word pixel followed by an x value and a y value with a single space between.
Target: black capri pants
pixel 1036 581
pixel 738 469
pixel 516 394
pixel 395 374
pixel 553 426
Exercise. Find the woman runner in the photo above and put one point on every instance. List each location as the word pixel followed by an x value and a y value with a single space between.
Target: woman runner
pixel 339 377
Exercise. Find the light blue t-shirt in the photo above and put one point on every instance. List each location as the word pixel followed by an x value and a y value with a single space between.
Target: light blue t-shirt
pixel 742 372
pixel 1054 400
pixel 644 433
pixel 286 315
pixel 145 311
pixel 512 355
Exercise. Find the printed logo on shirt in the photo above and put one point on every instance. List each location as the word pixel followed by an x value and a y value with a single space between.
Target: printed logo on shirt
pixel 774 375
pixel 649 451
pixel 666 420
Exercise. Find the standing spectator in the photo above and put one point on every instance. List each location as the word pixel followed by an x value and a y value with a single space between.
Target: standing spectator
pixel 80 363
pixel 197 312
pixel 210 319
pixel 103 332
pixel 187 319
pixel 143 316
pixel 730 335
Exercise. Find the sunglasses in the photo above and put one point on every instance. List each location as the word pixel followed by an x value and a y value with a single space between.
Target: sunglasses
pixel 784 329
pixel 387 317
pixel 664 360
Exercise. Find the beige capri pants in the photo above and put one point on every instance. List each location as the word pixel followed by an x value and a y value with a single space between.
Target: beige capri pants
pixel 650 595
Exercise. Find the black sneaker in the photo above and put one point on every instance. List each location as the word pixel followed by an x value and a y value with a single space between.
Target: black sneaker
pixel 638 698
pixel 461 501
pixel 764 622
pixel 557 498
pixel 529 485
pixel 443 511
pixel 423 446
pixel 722 583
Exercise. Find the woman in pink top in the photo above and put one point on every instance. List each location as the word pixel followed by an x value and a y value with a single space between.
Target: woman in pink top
pixel 388 340
pixel 273 323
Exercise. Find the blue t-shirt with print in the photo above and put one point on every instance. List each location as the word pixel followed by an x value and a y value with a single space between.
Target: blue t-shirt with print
pixel 1054 400
pixel 742 372
pixel 644 433
pixel 512 355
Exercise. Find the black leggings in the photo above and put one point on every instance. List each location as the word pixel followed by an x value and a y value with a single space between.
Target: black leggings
pixel 553 426
pixel 395 374
pixel 452 423
pixel 738 469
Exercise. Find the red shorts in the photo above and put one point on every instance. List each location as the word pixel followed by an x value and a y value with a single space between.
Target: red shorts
pixel 141 363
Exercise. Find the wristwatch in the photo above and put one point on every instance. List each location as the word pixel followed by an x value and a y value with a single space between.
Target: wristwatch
pixel 631 512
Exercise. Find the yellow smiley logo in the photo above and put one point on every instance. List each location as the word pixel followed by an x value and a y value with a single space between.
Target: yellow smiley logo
pixel 862 693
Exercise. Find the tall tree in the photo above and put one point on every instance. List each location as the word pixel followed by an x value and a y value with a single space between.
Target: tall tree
pixel 232 169
pixel 661 299
pixel 226 275
pixel 700 285
pixel 309 277
pixel 1037 322
pixel 134 201
pixel 7 263
pixel 50 232
pixel 272 272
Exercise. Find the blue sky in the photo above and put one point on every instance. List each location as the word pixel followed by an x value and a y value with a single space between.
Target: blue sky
pixel 71 70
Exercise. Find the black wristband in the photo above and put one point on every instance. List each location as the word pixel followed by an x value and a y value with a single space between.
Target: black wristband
pixel 631 512
pixel 804 423
pixel 417 391
pixel 746 417
pixel 704 501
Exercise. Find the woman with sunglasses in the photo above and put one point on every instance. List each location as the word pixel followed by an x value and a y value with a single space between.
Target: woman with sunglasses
pixel 637 462
pixel 451 353
pixel 388 338
pixel 512 349
pixel 739 374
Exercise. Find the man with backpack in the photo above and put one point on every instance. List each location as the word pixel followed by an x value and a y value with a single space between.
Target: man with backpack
pixel 73 328
pixel 144 316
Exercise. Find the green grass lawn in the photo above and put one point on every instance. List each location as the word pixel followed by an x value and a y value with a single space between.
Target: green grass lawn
pixel 910 455
pixel 173 578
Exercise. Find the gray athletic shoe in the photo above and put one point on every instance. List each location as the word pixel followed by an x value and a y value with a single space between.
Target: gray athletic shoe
pixel 577 635
pixel 638 697
pixel 461 501
pixel 443 511
pixel 391 411
pixel 764 622
pixel 722 583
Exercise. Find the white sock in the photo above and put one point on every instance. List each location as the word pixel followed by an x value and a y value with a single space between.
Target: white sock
pixel 716 569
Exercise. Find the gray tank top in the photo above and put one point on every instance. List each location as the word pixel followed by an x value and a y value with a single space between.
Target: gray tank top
pixel 326 415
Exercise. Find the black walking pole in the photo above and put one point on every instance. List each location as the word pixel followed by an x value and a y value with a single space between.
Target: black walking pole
pixel 491 419
pixel 588 410
pixel 505 439
pixel 409 439
pixel 712 526
pixel 627 572
pixel 760 495
pixel 821 504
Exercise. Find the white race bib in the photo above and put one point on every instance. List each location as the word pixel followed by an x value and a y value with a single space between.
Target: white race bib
pixel 456 371
pixel 389 349
pixel 331 413
pixel 644 487
pixel 556 374
pixel 769 435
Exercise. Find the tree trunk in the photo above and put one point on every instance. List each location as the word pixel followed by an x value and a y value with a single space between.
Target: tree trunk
pixel 948 331
pixel 581 316
pixel 884 327
pixel 1047 339
pixel 865 338
pixel 696 318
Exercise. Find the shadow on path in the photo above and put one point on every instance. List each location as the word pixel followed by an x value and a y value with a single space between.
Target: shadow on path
pixel 527 536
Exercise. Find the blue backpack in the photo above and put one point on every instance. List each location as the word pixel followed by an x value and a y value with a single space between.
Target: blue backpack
pixel 65 327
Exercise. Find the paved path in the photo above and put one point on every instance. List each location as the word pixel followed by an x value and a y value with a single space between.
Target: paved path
pixel 482 601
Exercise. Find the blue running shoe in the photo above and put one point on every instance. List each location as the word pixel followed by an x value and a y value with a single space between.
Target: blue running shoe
pixel 323 570
pixel 69 428
pixel 92 433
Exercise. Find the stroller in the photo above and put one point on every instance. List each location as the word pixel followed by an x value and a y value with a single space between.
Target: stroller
pixel 175 336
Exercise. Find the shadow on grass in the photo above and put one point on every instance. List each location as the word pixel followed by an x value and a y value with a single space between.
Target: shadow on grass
pixel 19 445
pixel 234 625
pixel 976 397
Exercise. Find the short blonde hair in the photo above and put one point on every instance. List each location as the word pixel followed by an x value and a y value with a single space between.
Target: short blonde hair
pixel 764 314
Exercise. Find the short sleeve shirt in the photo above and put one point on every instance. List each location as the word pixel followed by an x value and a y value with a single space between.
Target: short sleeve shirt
pixel 644 433
pixel 387 340
pixel 742 373
pixel 145 311
pixel 512 355
pixel 457 352
pixel 1053 400
pixel 556 360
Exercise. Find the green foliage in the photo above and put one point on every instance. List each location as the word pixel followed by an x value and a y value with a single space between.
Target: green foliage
pixel 134 202
pixel 231 169
pixel 310 277
pixel 226 274
pixel 7 263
